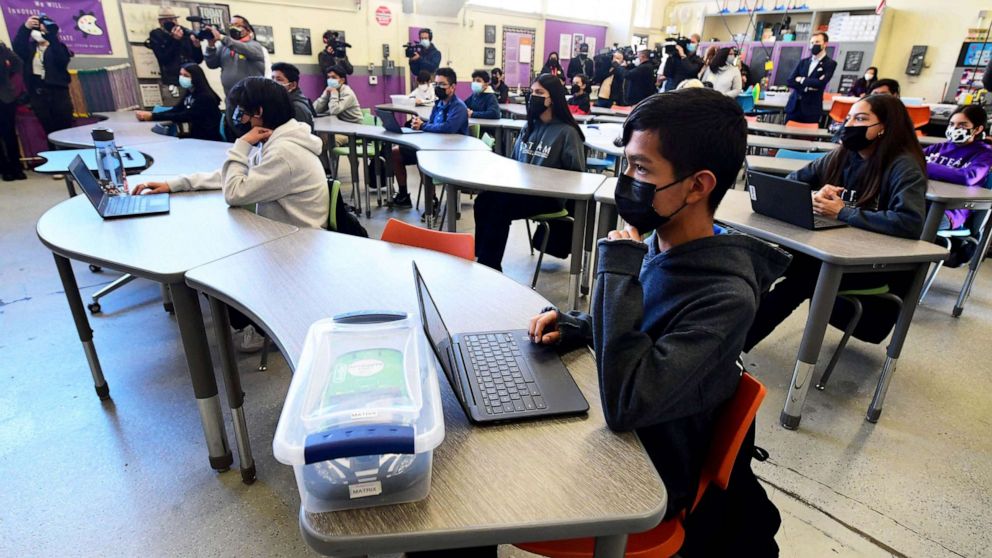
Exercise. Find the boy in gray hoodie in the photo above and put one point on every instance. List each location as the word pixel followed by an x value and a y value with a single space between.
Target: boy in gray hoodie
pixel 672 305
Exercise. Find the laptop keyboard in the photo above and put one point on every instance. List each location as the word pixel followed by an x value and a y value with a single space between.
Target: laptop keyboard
pixel 507 385
pixel 124 204
pixel 822 222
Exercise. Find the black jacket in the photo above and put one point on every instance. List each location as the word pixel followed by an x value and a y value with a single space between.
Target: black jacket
pixel 578 66
pixel 10 64
pixel 806 101
pixel 430 60
pixel 678 70
pixel 200 110
pixel 327 60
pixel 172 53
pixel 302 108
pixel 553 68
pixel 640 82
pixel 502 92
pixel 56 59
pixel 667 329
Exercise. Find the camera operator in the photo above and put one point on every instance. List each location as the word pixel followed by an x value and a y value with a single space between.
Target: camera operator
pixel 424 55
pixel 335 53
pixel 640 78
pixel 611 89
pixel 173 46
pixel 683 63
pixel 46 71
pixel 238 56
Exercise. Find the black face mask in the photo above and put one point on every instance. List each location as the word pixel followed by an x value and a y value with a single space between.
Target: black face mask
pixel 240 128
pixel 855 138
pixel 535 107
pixel 440 92
pixel 168 25
pixel 634 203
pixel 816 49
pixel 554 60
pixel 575 89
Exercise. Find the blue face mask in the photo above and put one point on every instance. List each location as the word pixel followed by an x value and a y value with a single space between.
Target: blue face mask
pixel 426 43
pixel 333 83
pixel 477 87
pixel 185 82
pixel 690 48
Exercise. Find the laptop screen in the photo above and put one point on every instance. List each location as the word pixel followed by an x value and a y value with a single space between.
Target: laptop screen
pixel 86 181
pixel 437 332
pixel 388 120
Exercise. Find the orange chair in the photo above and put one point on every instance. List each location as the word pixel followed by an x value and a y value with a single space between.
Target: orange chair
pixel 461 245
pixel 828 96
pixel 809 125
pixel 666 539
pixel 839 110
pixel 920 115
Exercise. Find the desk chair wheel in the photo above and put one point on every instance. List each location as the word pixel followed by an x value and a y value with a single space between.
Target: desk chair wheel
pixel 248 475
pixel 95 268
pixel 956 313
pixel 94 307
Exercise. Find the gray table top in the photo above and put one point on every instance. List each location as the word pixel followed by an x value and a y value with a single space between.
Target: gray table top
pixel 57 162
pixel 779 100
pixel 564 477
pixel 521 111
pixel 791 131
pixel 788 143
pixel 186 156
pixel 422 142
pixel 609 119
pixel 603 111
pixel 847 246
pixel 157 247
pixel 423 112
pixel 600 137
pixel 489 171
pixel 775 165
pixel 128 131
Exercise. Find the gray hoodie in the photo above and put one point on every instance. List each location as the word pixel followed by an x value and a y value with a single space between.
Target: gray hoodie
pixel 282 175
pixel 667 329
pixel 343 103
pixel 236 60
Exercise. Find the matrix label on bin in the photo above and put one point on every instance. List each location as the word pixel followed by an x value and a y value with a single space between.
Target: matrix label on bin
pixel 365 489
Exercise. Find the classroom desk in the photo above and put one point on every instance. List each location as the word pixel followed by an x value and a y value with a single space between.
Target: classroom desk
pixel 769 142
pixel 186 156
pixel 520 111
pixel 789 131
pixel 609 119
pixel 525 481
pixel 845 250
pixel 778 101
pixel 160 248
pixel 774 165
pixel 424 112
pixel 57 162
pixel 489 172
pixel 603 111
pixel 600 137
pixel 128 131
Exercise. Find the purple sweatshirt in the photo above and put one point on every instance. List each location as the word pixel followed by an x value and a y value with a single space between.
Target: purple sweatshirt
pixel 967 165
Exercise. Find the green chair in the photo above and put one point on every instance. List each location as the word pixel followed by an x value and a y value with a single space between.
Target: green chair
pixel 543 222
pixel 488 140
pixel 853 297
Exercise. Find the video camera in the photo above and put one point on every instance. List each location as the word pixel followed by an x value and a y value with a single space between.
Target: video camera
pixel 411 49
pixel 628 52
pixel 670 43
pixel 204 33
pixel 339 46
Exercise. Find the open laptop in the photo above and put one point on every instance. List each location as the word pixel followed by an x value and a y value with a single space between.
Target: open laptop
pixel 391 125
pixel 786 200
pixel 499 375
pixel 112 207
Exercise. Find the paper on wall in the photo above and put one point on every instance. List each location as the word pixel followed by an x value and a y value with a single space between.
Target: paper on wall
pixel 145 64
pixel 524 56
pixel 591 41
pixel 564 47
pixel 151 95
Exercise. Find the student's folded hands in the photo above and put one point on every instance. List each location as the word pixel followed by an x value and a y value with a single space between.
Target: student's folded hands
pixel 827 201
pixel 543 328
pixel 627 233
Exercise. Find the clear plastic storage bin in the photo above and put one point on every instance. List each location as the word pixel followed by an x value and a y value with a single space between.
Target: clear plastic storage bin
pixel 363 413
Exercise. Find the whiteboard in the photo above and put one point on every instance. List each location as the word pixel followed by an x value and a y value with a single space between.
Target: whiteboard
pixel 141 19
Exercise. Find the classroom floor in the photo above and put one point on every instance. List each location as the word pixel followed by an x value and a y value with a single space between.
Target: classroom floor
pixel 129 476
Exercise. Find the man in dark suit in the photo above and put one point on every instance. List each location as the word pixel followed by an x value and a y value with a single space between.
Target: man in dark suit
pixel 808 81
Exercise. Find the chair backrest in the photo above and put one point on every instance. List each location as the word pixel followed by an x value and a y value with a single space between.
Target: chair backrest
pixel 919 115
pixel 839 110
pixel 746 101
pixel 475 130
pixel 809 125
pixel 332 218
pixel 488 140
pixel 789 154
pixel 461 245
pixel 728 434
pixel 369 119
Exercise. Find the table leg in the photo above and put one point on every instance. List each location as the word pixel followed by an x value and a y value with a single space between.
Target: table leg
pixel 428 201
pixel 353 161
pixel 909 304
pixel 976 262
pixel 613 546
pixel 822 304
pixel 451 191
pixel 575 265
pixel 201 372
pixel 607 220
pixel 232 383
pixel 932 223
pixel 590 241
pixel 70 185
pixel 368 180
pixel 499 140
pixel 82 324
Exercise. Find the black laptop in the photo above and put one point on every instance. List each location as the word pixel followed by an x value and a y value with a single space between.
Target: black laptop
pixel 391 125
pixel 113 207
pixel 499 375
pixel 786 200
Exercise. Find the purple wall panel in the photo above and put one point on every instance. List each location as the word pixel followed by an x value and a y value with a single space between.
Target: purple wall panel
pixel 553 29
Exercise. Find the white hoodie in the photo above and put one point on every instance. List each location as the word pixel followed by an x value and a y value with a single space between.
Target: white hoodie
pixel 282 175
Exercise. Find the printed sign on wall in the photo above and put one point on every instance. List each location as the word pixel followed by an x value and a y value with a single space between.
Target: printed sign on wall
pixel 81 24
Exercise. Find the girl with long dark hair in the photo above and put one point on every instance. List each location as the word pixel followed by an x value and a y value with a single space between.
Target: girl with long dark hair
pixel 722 73
pixel 875 180
pixel 553 66
pixel 199 107
pixel 552 139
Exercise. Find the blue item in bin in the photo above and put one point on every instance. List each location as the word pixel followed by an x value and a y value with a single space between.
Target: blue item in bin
pixel 353 441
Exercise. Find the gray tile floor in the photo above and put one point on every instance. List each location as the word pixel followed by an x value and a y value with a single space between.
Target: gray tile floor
pixel 129 477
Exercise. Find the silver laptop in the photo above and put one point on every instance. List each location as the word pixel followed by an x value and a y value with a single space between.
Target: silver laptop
pixel 110 206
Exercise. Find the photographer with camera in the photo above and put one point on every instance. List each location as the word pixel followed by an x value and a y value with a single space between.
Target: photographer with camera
pixel 173 46
pixel 423 55
pixel 335 53
pixel 46 71
pixel 640 79
pixel 683 63
pixel 238 56
pixel 611 88
pixel 10 153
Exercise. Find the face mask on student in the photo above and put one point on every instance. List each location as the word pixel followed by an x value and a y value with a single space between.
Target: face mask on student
pixel 575 89
pixel 690 48
pixel 816 49
pixel 635 203
pixel 440 92
pixel 241 128
pixel 333 83
pixel 426 43
pixel 38 36
pixel 957 135
pixel 554 60
pixel 535 107
pixel 477 87
pixel 869 77
pixel 855 138
pixel 185 82
pixel 731 60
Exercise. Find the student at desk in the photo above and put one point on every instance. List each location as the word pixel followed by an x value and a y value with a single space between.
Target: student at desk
pixel 963 159
pixel 339 99
pixel 876 180
pixel 670 310
pixel 579 102
pixel 199 107
pixel 482 103
pixel 551 138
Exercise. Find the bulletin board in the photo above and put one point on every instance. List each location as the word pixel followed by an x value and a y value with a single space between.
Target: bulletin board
pixel 517 42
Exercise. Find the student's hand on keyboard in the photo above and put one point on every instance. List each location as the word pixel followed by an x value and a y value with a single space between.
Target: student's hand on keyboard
pixel 151 188
pixel 628 233
pixel 543 328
